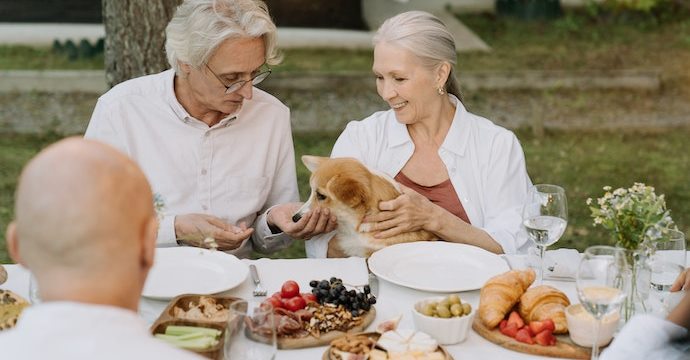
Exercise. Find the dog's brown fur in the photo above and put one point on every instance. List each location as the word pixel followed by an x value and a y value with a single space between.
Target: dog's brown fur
pixel 350 191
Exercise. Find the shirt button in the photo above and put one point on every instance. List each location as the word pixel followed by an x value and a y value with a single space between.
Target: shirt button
pixel 207 134
pixel 204 207
pixel 203 172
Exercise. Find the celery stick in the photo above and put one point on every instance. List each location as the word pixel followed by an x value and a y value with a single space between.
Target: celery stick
pixel 184 330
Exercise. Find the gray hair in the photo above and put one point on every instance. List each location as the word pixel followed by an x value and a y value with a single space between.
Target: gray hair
pixel 427 37
pixel 200 26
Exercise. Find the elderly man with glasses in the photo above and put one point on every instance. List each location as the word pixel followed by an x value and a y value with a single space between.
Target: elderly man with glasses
pixel 216 150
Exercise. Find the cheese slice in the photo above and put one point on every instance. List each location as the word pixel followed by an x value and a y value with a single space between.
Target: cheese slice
pixel 406 340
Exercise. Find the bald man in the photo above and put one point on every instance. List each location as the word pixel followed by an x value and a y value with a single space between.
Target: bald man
pixel 86 228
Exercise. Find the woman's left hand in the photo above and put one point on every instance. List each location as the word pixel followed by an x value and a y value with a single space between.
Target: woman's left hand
pixel 410 211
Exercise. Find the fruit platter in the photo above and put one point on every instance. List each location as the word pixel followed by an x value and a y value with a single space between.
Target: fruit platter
pixel 330 310
pixel 526 319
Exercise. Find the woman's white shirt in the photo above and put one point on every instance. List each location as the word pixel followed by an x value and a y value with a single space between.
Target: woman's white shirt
pixel 485 163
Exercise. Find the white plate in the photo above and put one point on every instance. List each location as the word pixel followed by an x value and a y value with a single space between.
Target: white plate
pixel 189 270
pixel 436 266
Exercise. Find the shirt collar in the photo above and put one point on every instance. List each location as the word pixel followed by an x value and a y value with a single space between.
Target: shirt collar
pixel 81 312
pixel 180 111
pixel 455 141
pixel 459 132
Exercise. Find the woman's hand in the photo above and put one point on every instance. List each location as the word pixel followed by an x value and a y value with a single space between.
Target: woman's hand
pixel 682 282
pixel 410 211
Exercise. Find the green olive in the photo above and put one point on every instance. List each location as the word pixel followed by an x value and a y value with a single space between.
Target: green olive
pixel 454 299
pixel 466 308
pixel 445 302
pixel 443 311
pixel 456 309
pixel 429 309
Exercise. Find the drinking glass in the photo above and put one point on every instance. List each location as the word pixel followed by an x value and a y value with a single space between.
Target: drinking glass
pixel 663 275
pixel 545 217
pixel 672 249
pixel 251 332
pixel 602 279
pixel 34 294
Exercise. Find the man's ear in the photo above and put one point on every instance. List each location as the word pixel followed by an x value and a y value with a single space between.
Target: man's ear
pixel 148 242
pixel 185 68
pixel 13 243
pixel 348 189
pixel 313 162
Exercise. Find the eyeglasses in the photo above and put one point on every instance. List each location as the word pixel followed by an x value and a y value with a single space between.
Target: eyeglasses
pixel 257 78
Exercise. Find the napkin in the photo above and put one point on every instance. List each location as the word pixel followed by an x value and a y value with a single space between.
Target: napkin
pixel 274 272
pixel 560 264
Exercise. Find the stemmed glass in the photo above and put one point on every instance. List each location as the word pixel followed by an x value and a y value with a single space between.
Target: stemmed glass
pixel 545 217
pixel 602 278
pixel 666 264
pixel 251 332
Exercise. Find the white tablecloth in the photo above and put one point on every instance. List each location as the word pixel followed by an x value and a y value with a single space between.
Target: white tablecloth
pixel 393 300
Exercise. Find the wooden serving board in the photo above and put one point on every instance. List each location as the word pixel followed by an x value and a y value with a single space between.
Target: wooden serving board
pixel 327 355
pixel 564 348
pixel 325 338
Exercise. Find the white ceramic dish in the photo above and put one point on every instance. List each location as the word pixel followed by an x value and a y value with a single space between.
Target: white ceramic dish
pixel 446 331
pixel 189 270
pixel 436 266
pixel 581 326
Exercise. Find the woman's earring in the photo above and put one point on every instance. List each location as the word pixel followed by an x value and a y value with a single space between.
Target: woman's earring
pixel 441 91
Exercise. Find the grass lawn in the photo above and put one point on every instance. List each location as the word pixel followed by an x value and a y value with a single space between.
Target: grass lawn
pixel 575 41
pixel 581 162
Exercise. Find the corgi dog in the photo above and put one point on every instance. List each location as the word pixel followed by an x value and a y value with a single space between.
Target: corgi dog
pixel 351 191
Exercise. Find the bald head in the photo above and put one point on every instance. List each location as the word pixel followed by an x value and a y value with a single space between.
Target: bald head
pixel 81 206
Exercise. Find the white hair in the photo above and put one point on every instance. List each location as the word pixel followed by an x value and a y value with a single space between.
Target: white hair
pixel 427 37
pixel 200 26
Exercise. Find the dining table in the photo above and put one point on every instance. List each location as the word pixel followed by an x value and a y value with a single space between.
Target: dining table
pixel 392 301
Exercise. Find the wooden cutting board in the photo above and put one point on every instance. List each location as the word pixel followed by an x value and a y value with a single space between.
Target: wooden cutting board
pixel 325 338
pixel 564 348
pixel 328 355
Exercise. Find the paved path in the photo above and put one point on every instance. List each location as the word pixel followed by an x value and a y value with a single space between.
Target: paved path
pixel 41 34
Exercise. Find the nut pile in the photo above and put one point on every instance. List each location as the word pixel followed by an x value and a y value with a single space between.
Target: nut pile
pixel 328 317
pixel 354 344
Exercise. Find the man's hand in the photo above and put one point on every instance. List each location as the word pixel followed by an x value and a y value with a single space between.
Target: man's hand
pixel 410 211
pixel 314 222
pixel 192 229
pixel 682 282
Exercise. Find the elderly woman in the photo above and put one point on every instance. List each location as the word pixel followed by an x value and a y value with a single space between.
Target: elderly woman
pixel 215 148
pixel 464 178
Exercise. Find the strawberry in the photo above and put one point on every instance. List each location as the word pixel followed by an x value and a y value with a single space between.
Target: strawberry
pixel 515 318
pixel 503 324
pixel 529 330
pixel 539 326
pixel 545 338
pixel 523 336
pixel 509 330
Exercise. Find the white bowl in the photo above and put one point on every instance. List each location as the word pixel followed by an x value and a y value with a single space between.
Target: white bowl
pixel 445 330
pixel 581 326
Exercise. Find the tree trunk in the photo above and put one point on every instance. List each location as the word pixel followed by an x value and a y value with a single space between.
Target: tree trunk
pixel 135 37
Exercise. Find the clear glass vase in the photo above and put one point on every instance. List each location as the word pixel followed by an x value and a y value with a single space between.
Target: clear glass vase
pixel 636 284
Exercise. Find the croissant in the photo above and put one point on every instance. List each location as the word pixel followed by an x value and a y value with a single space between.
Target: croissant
pixel 545 302
pixel 500 293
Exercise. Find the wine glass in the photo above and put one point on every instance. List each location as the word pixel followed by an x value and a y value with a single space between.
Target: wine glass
pixel 34 294
pixel 602 278
pixel 545 216
pixel 251 332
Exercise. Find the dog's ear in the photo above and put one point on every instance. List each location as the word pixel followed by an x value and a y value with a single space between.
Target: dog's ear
pixel 349 190
pixel 313 162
